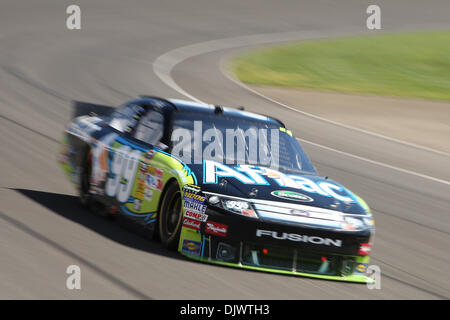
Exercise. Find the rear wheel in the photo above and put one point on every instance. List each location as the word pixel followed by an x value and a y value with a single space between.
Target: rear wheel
pixel 170 216
pixel 85 179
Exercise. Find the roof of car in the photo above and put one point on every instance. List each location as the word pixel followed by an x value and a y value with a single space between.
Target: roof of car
pixel 202 108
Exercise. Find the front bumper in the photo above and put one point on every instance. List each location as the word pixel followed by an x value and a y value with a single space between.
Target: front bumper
pixel 279 248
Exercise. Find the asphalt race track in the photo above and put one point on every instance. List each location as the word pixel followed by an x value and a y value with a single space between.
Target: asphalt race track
pixel 44 66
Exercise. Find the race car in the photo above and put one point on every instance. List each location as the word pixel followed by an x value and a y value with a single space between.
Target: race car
pixel 220 185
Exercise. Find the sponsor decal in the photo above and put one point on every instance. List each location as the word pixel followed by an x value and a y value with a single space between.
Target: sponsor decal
pixel 143 167
pixel 192 196
pixel 149 154
pixel 154 182
pixel 298 238
pixel 158 172
pixel 290 195
pixel 255 175
pixel 140 188
pixel 193 203
pixel 159 184
pixel 364 249
pixel 191 247
pixel 137 204
pixel 155 171
pixel 191 188
pixel 196 215
pixel 216 228
pixel 148 194
pixel 193 224
pixel 150 176
pixel 150 181
pixel 194 206
pixel 361 268
pixel 141 175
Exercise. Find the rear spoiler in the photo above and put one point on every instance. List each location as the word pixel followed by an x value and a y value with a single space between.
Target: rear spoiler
pixel 80 108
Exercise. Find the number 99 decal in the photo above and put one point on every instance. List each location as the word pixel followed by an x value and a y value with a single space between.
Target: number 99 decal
pixel 123 171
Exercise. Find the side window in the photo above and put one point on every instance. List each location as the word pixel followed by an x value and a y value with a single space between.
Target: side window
pixel 150 128
pixel 125 117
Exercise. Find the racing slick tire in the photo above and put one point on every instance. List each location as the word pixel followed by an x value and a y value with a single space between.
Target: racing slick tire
pixel 170 216
pixel 85 177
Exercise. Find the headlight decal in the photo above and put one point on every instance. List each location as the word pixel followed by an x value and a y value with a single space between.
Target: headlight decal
pixel 237 206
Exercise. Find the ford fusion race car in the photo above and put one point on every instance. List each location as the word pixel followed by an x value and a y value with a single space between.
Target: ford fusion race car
pixel 219 185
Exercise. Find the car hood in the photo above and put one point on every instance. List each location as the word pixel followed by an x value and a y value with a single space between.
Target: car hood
pixel 257 182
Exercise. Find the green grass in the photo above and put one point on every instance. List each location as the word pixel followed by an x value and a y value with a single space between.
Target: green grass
pixel 415 65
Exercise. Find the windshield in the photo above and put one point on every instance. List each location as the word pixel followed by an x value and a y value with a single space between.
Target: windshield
pixel 231 140
pixel 124 119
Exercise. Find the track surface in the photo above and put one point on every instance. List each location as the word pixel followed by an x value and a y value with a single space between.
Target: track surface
pixel 43 66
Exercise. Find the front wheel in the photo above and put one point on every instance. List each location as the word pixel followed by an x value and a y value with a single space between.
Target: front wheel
pixel 170 216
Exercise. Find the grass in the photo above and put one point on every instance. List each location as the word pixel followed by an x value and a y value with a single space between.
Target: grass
pixel 415 65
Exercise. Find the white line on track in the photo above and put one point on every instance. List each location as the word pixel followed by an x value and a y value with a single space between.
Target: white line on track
pixel 417 146
pixel 381 164
pixel 165 63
